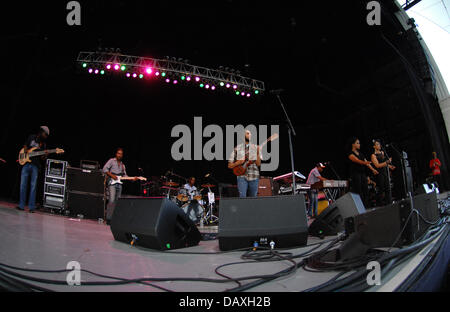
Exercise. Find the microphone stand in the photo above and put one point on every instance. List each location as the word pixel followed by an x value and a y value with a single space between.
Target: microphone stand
pixel 388 175
pixel 403 169
pixel 291 131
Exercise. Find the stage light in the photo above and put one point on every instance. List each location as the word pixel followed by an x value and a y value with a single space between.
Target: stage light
pixel 207 86
pixel 163 74
pixel 222 84
pixel 213 88
pixel 102 72
pixel 141 76
pixel 197 79
pixel 96 71
pixel 134 75
pixel 188 78
pixel 167 80
pixel 202 85
pixel 183 77
pixel 148 70
pixel 234 87
pixel 228 85
pixel 256 91
pixel 248 94
pixel 175 81
pixel 90 70
pixel 157 73
pixel 116 67
pixel 237 92
pixel 108 66
pixel 84 65
pixel 128 74
pixel 122 67
pixel 242 93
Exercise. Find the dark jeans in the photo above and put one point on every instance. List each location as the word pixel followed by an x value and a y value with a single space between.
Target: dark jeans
pixel 383 196
pixel 250 187
pixel 29 171
pixel 361 187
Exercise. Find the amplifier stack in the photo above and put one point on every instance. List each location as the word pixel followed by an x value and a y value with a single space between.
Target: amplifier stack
pixel 55 185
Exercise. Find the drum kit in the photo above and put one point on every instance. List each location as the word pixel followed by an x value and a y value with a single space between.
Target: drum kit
pixel 197 204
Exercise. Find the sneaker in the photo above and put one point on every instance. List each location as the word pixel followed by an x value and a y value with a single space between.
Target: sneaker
pixel 18 208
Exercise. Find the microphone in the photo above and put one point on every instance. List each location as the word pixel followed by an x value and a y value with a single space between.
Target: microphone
pixel 277 91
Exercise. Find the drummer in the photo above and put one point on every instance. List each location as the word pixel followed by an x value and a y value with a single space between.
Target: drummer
pixel 190 188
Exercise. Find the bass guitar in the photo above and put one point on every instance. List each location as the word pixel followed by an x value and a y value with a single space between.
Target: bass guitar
pixel 24 157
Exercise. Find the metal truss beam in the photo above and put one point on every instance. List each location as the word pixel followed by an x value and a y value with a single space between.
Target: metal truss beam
pixel 173 67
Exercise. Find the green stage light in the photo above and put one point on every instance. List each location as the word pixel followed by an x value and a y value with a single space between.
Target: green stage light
pixel 122 67
pixel 102 72
pixel 183 77
pixel 84 65
pixel 141 76
pixel 222 84
pixel 202 85
pixel 163 74
pixel 237 93
pixel 256 91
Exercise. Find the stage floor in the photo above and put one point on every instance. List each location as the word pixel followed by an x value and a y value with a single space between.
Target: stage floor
pixel 49 242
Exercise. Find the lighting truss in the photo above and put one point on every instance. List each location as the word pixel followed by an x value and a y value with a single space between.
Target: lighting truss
pixel 172 70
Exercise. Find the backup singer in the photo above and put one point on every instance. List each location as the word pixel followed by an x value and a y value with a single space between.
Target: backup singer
pixel 383 165
pixel 114 167
pixel 358 165
pixel 314 177
pixel 247 183
pixel 30 170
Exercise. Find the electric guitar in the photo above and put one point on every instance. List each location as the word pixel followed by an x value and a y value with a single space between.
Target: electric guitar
pixel 24 157
pixel 120 179
pixel 241 169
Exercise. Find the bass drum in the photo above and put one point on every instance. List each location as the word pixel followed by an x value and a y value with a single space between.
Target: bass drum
pixel 194 211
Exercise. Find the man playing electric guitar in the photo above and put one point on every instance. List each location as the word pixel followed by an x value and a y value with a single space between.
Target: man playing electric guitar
pixel 31 169
pixel 248 157
pixel 114 168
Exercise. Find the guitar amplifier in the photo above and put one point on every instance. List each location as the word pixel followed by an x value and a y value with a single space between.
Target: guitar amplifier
pixel 265 187
pixel 86 181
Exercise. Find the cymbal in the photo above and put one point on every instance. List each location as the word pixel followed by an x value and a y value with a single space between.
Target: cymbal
pixel 208 185
pixel 170 183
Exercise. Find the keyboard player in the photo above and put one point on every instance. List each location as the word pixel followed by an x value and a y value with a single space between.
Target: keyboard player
pixel 314 177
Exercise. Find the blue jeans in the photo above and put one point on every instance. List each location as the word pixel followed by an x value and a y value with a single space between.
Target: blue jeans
pixel 244 187
pixel 29 170
pixel 115 191
pixel 313 203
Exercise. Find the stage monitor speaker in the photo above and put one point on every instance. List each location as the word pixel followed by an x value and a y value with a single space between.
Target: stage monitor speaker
pixel 244 221
pixel 155 223
pixel 380 227
pixel 87 181
pixel 91 206
pixel 331 220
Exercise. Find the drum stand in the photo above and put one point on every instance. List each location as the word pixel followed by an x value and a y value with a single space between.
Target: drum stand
pixel 209 217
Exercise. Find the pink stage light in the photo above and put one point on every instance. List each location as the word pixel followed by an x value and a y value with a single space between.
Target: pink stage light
pixel 90 70
pixel 248 94
pixel 116 67
pixel 134 75
pixel 235 87
pixel 157 73
pixel 128 75
pixel 197 79
pixel 207 86
pixel 175 81
pixel 148 70
pixel 213 88
pixel 167 80
pixel 96 71
pixel 242 93
pixel 228 85
pixel 108 66
pixel 188 78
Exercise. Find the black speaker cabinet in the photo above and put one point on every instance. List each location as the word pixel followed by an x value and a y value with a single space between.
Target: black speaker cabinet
pixel 381 226
pixel 331 220
pixel 281 219
pixel 83 180
pixel 91 206
pixel 155 223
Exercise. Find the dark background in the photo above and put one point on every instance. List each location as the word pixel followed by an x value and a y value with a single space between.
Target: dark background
pixel 340 80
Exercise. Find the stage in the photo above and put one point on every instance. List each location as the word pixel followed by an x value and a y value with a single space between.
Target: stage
pixel 44 241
